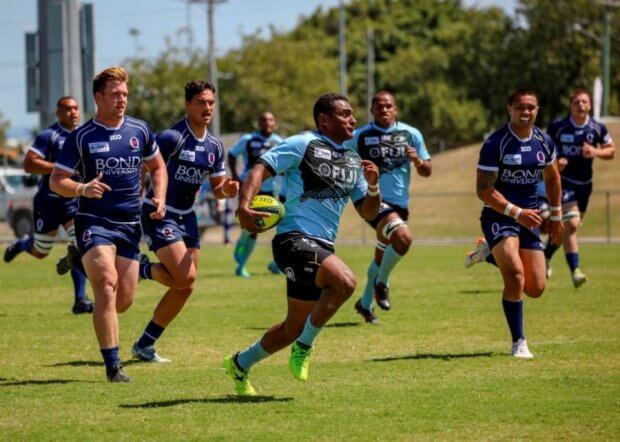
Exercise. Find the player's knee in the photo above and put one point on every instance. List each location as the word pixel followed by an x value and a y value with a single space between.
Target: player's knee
pixel 515 280
pixel 534 291
pixel 185 279
pixel 346 286
pixel 184 293
pixel 122 305
pixel 401 241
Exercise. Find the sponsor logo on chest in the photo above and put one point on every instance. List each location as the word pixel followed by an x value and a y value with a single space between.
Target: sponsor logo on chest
pixel 567 138
pixel 98 147
pixel 323 154
pixel 512 160
pixel 370 141
pixel 187 155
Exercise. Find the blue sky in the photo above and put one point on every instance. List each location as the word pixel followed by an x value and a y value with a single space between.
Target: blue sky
pixel 154 19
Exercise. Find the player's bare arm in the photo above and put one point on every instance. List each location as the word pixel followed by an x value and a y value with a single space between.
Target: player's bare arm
pixel 372 201
pixel 224 187
pixel 62 183
pixel 553 186
pixel 34 163
pixel 605 152
pixel 159 180
pixel 250 188
pixel 423 167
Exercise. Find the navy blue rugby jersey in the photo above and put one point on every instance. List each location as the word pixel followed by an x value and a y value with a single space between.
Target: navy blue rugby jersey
pixel 190 161
pixel 569 138
pixel 518 162
pixel 117 153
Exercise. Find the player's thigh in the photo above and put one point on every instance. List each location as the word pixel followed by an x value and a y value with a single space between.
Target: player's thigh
pixel 534 271
pixel 334 273
pixel 127 270
pixel 178 260
pixel 508 258
pixel 99 263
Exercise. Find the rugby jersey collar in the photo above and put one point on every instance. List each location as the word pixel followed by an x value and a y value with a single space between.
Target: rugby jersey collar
pixel 192 132
pixel 62 128
pixel 109 128
pixel 324 137
pixel 521 139
pixel 577 125
pixel 381 129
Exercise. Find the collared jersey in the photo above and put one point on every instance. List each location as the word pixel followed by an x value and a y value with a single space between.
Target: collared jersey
pixel 190 161
pixel 117 153
pixel 251 146
pixel 519 163
pixel 387 148
pixel 569 138
pixel 321 176
pixel 48 145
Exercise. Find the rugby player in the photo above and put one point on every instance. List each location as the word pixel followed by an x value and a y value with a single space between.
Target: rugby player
pixel 49 209
pixel 512 161
pixel 192 155
pixel 579 139
pixel 108 153
pixel 392 145
pixel 321 176
pixel 250 147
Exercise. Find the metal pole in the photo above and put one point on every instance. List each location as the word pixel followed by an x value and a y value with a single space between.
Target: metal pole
pixel 190 30
pixel 343 51
pixel 608 214
pixel 605 60
pixel 215 122
pixel 370 70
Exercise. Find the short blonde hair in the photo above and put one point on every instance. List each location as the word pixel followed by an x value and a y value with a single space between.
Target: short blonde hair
pixel 114 73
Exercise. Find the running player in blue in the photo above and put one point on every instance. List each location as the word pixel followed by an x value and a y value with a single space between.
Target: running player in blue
pixel 51 210
pixel 108 153
pixel 512 161
pixel 579 139
pixel 393 146
pixel 192 155
pixel 250 147
pixel 321 176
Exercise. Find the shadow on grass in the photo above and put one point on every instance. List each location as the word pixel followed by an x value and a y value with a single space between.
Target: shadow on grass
pixel 219 400
pixel 476 291
pixel 89 363
pixel 43 382
pixel 334 325
pixel 445 357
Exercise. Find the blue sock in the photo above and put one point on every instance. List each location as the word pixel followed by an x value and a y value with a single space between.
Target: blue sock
pixel 110 357
pixel 146 270
pixel 79 285
pixel 245 248
pixel 550 249
pixel 251 356
pixel 572 259
pixel 309 333
pixel 369 289
pixel 389 260
pixel 152 332
pixel 514 316
pixel 24 244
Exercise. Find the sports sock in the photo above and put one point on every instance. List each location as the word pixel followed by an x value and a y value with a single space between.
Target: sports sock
pixel 146 269
pixel 550 249
pixel 369 289
pixel 389 260
pixel 79 285
pixel 309 333
pixel 246 246
pixel 152 332
pixel 251 356
pixel 572 259
pixel 110 356
pixel 514 316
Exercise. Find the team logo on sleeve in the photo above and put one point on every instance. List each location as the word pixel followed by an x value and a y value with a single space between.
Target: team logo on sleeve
pixel 98 147
pixel 540 156
pixel 590 137
pixel 87 236
pixel 134 144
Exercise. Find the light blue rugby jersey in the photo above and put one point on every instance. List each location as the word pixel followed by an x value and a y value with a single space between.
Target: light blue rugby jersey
pixel 387 148
pixel 251 146
pixel 320 177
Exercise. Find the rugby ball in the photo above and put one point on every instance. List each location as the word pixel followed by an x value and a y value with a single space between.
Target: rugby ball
pixel 270 205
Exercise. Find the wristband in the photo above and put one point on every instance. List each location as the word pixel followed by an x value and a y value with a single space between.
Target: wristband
pixel 508 209
pixel 373 192
pixel 78 190
pixel 517 213
pixel 555 218
pixel 555 208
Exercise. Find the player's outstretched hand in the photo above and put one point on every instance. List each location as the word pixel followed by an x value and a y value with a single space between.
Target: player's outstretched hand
pixel 529 218
pixel 371 172
pixel 555 229
pixel 247 219
pixel 160 208
pixel 231 188
pixel 94 188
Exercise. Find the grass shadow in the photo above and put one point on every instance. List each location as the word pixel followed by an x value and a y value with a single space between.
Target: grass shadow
pixel 476 291
pixel 220 400
pixel 43 382
pixel 444 357
pixel 343 324
pixel 89 363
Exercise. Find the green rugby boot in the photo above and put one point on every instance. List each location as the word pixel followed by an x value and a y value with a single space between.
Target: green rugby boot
pixel 300 360
pixel 239 377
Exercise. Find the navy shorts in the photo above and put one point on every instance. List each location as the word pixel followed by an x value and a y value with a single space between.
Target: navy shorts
pixel 172 228
pixel 497 226
pixel 579 193
pixel 387 208
pixel 92 231
pixel 299 257
pixel 51 212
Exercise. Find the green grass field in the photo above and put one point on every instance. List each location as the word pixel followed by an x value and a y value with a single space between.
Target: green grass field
pixel 436 368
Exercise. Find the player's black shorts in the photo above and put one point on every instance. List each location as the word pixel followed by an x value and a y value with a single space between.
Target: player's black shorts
pixel 579 193
pixel 172 228
pixel 51 212
pixel 299 257
pixel 387 208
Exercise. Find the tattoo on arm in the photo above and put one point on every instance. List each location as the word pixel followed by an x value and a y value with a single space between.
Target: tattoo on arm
pixel 485 180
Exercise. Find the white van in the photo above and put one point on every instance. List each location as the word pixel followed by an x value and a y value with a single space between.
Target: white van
pixel 17 189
